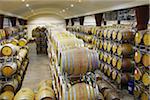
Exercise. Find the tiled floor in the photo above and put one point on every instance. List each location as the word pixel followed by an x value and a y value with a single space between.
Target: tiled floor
pixel 38 68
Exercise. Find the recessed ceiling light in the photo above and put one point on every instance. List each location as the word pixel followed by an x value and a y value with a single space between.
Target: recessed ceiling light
pixel 67 8
pixel 63 10
pixel 23 0
pixel 72 5
pixel 27 5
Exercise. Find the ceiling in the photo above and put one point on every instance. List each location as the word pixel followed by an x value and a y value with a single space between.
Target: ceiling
pixel 63 7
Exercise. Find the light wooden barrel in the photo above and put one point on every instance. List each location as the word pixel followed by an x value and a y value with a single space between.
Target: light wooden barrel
pixel 137 56
pixel 127 64
pixel 79 61
pixel 24 94
pixel 22 54
pixel 125 49
pixel 102 86
pixel 81 91
pixel 146 39
pixel 43 83
pixel 123 78
pixel 146 79
pixel 137 90
pixel 11 85
pixel 145 96
pixel 114 48
pixel 137 74
pixel 9 69
pixel 14 41
pixel 125 35
pixel 22 42
pixel 9 50
pixel 138 37
pixel 45 93
pixel 7 95
pixel 146 60
pixel 114 34
pixel 114 74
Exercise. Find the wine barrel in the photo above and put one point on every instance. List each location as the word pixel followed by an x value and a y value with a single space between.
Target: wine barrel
pixel 109 33
pixel 146 79
pixel 7 95
pixel 105 68
pixel 9 50
pixel 125 50
pixel 109 71
pixel 103 85
pixel 105 45
pixel 114 74
pixel 146 39
pixel 138 37
pixel 127 64
pixel 9 69
pixel 105 58
pixel 14 42
pixel 101 44
pixel 137 56
pixel 137 90
pixel 109 58
pixel 119 64
pixel 125 35
pixel 73 63
pixel 22 42
pixel 145 95
pixel 109 46
pixel 81 91
pixel 137 74
pixel 114 48
pixel 11 85
pixel 146 60
pixel 114 61
pixel 101 55
pixel 43 83
pixel 105 33
pixel 123 78
pixel 24 94
pixel 22 54
pixel 114 34
pixel 45 93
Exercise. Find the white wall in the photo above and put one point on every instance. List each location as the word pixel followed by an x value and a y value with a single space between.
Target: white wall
pixel 47 20
pixel 90 20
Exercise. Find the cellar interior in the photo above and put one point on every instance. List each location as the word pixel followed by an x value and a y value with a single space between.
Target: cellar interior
pixel 74 50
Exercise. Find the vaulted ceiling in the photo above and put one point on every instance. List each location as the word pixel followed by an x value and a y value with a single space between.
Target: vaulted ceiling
pixel 63 8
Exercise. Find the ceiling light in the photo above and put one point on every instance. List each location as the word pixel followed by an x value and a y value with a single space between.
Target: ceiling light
pixel 63 10
pixel 71 5
pixel 79 0
pixel 67 8
pixel 23 0
pixel 27 5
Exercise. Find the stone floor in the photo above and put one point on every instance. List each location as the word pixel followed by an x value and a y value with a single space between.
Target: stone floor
pixel 38 68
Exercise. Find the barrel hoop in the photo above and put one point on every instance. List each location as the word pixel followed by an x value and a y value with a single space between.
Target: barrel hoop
pixel 72 63
pixel 68 62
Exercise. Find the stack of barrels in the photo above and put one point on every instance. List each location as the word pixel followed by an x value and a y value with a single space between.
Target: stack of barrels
pixel 116 54
pixel 84 33
pixel 2 35
pixel 14 61
pixel 142 60
pixel 69 62
pixel 41 39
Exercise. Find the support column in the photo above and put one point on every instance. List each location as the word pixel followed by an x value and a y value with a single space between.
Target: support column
pixel 142 17
pixel 81 20
pixel 98 19
pixel 1 21
pixel 67 21
pixel 13 21
pixel 72 21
